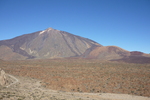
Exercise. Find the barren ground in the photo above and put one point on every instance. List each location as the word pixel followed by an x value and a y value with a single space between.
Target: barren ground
pixel 76 80
pixel 31 89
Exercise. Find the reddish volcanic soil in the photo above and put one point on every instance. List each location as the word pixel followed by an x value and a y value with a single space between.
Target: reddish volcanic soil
pixel 80 75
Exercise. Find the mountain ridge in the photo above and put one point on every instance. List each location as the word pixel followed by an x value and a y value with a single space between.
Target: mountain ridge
pixel 51 43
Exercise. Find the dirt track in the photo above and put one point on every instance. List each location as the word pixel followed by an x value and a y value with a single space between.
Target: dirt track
pixel 14 82
pixel 31 89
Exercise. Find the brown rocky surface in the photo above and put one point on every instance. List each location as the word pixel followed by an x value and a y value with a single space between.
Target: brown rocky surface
pixel 136 53
pixel 106 53
pixel 85 75
pixel 6 53
pixel 31 89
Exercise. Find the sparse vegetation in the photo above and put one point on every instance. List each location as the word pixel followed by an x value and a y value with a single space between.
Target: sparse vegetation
pixel 85 75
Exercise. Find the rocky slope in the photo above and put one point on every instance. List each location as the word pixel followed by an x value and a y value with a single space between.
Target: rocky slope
pixel 52 43
pixel 114 53
pixel 49 43
pixel 106 53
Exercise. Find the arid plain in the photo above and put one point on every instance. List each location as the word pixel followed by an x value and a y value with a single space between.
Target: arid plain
pixel 84 75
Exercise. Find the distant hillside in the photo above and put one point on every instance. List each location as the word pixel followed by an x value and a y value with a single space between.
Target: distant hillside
pixel 106 53
pixel 114 53
pixel 135 57
pixel 49 43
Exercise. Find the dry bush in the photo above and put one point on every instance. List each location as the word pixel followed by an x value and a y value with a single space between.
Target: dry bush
pixel 85 75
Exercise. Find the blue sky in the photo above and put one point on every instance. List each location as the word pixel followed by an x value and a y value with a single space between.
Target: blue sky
pixel 124 23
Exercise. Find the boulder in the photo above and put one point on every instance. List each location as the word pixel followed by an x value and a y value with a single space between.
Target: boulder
pixel 2 77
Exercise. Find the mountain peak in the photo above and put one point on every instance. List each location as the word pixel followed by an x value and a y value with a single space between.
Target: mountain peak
pixel 48 29
pixel 48 43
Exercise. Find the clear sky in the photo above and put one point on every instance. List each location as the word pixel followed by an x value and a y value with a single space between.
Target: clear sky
pixel 124 23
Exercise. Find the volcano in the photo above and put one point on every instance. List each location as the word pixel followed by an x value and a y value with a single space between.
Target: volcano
pixel 49 43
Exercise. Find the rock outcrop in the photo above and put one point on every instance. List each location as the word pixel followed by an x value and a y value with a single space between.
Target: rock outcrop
pixel 2 77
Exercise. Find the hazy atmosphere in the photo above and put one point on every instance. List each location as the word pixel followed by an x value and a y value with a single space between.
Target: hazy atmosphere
pixel 124 23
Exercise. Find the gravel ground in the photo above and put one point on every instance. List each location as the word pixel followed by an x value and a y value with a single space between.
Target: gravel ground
pixel 24 88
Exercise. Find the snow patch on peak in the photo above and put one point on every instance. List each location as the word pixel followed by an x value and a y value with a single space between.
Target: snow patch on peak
pixel 48 29
pixel 42 32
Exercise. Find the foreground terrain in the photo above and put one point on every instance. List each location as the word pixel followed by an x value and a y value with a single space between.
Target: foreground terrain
pixel 73 77
pixel 31 89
